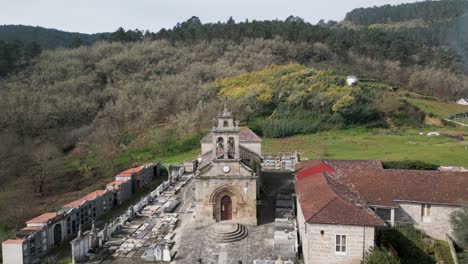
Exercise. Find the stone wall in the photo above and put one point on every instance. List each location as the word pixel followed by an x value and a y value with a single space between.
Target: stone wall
pixel 242 192
pixel 436 227
pixel 320 248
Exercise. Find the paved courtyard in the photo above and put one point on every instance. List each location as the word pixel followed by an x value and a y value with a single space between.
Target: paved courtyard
pixel 197 245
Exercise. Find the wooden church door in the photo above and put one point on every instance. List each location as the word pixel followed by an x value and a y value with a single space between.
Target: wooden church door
pixel 226 208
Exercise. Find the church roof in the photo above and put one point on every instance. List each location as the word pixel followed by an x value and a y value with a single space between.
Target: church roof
pixel 245 135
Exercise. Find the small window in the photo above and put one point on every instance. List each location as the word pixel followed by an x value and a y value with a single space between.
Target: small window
pixel 340 245
pixel 425 213
pixel 225 123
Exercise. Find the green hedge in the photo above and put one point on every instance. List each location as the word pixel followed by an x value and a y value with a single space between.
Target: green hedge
pixel 409 165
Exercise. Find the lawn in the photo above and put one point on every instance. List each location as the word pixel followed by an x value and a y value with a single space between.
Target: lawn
pixel 374 144
pixel 439 108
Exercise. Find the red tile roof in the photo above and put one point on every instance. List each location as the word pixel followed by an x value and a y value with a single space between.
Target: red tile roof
pixel 130 172
pixel 43 218
pixel 245 135
pixel 308 170
pixel 13 241
pixel 88 197
pixel 384 187
pixel 339 165
pixel 324 201
pixel 340 191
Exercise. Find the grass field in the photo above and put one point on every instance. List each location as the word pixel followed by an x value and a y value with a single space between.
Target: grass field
pixel 360 143
pixel 375 144
pixel 438 108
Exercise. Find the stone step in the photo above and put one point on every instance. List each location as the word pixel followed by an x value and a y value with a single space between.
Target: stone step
pixel 227 232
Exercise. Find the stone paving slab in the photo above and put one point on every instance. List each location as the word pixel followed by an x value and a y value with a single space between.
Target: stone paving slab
pixel 257 245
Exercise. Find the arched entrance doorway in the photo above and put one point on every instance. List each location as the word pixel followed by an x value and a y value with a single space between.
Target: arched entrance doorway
pixel 57 234
pixel 226 208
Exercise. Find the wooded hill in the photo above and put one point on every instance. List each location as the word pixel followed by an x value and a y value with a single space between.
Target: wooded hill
pixel 47 38
pixel 427 10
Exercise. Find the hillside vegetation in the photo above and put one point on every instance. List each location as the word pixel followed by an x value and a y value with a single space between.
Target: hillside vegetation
pixel 77 116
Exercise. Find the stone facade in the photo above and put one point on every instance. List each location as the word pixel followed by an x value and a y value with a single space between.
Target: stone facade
pixel 436 225
pixel 225 186
pixel 318 241
pixel 121 190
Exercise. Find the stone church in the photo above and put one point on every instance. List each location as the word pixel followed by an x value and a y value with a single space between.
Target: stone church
pixel 226 181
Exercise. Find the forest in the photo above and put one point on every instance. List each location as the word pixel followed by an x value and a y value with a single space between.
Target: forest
pixel 426 10
pixel 72 117
pixel 17 55
pixel 47 38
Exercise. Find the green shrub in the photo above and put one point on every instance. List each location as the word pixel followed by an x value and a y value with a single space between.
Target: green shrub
pixel 407 115
pixel 459 221
pixel 410 245
pixel 380 256
pixel 299 121
pixel 409 165
pixel 442 251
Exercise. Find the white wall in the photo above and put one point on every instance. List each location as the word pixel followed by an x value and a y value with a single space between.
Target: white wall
pixel 206 147
pixel 12 253
pixel 318 248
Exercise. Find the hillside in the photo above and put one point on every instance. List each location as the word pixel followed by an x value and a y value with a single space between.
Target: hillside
pixel 47 38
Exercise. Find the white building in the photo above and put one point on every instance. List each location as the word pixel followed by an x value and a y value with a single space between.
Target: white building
pixel 463 101
pixel 351 80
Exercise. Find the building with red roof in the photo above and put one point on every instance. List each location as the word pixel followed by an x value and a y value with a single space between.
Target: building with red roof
pixel 42 219
pixel 342 202
pixel 139 176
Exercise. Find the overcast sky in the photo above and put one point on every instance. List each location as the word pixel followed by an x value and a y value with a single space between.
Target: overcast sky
pixel 91 16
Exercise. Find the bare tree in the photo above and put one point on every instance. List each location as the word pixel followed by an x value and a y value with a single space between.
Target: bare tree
pixel 42 157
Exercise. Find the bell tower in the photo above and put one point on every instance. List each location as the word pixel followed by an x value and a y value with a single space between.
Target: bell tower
pixel 225 133
pixel 225 186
